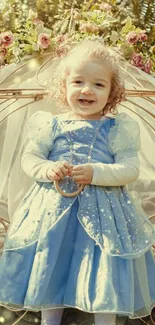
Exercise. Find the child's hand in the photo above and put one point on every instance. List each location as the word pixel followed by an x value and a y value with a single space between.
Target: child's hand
pixel 82 174
pixel 59 170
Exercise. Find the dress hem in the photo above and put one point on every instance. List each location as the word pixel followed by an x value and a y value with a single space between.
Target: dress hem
pixel 120 313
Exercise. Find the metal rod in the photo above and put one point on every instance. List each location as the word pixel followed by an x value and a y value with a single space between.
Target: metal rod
pixel 19 93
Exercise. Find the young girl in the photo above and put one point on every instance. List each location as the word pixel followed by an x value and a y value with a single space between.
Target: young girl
pixel 92 250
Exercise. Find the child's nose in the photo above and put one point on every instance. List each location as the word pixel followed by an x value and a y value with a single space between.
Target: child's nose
pixel 86 90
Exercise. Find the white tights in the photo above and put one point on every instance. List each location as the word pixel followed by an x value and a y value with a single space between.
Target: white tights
pixel 53 317
pixel 104 319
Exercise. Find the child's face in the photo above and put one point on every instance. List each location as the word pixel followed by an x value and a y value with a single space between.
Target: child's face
pixel 88 87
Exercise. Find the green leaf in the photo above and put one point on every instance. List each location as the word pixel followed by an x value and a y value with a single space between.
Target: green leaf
pixel 64 26
pixel 114 36
pixel 138 30
pixel 59 26
pixel 127 50
pixel 128 26
pixel 28 48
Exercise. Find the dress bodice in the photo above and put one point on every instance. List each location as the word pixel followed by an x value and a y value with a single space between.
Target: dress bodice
pixel 82 141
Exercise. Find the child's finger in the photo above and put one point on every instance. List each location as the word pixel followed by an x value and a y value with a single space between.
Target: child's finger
pixel 76 172
pixel 58 172
pixel 64 170
pixel 77 168
pixel 80 182
pixel 53 176
pixel 67 165
pixel 78 177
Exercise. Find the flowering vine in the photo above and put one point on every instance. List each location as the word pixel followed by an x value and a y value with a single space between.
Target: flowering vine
pixel 101 20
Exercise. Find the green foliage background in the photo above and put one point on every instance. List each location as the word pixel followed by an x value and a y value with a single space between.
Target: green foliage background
pixel 60 17
pixel 142 11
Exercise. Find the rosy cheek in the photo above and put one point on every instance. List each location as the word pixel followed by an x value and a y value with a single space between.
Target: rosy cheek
pixel 73 94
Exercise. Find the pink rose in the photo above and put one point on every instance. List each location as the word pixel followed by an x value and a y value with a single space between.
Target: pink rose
pixel 61 51
pixel 105 6
pixel 142 36
pixel 3 53
pixel 61 38
pixel 132 37
pixel 148 66
pixel 137 60
pixel 6 39
pixel 44 40
pixel 37 21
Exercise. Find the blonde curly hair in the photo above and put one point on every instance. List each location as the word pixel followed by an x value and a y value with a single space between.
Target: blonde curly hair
pixel 96 50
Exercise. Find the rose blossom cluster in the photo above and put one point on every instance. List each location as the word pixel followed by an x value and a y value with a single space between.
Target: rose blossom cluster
pixel 43 40
pixel 6 40
pixel 134 37
pixel 137 61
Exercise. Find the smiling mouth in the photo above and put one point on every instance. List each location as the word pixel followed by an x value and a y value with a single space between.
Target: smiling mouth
pixel 86 101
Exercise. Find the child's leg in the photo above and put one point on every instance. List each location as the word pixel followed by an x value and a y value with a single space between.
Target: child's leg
pixel 105 319
pixel 51 316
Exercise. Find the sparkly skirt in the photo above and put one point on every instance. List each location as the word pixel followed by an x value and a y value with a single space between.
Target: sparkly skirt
pixel 70 270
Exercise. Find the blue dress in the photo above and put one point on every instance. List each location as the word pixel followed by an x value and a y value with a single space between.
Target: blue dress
pixel 91 252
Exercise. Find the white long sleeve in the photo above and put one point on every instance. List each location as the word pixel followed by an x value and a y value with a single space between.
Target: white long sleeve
pixel 34 160
pixel 124 144
pixel 116 174
pixel 35 164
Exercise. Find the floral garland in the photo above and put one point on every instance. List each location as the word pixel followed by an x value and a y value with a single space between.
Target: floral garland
pixel 75 25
